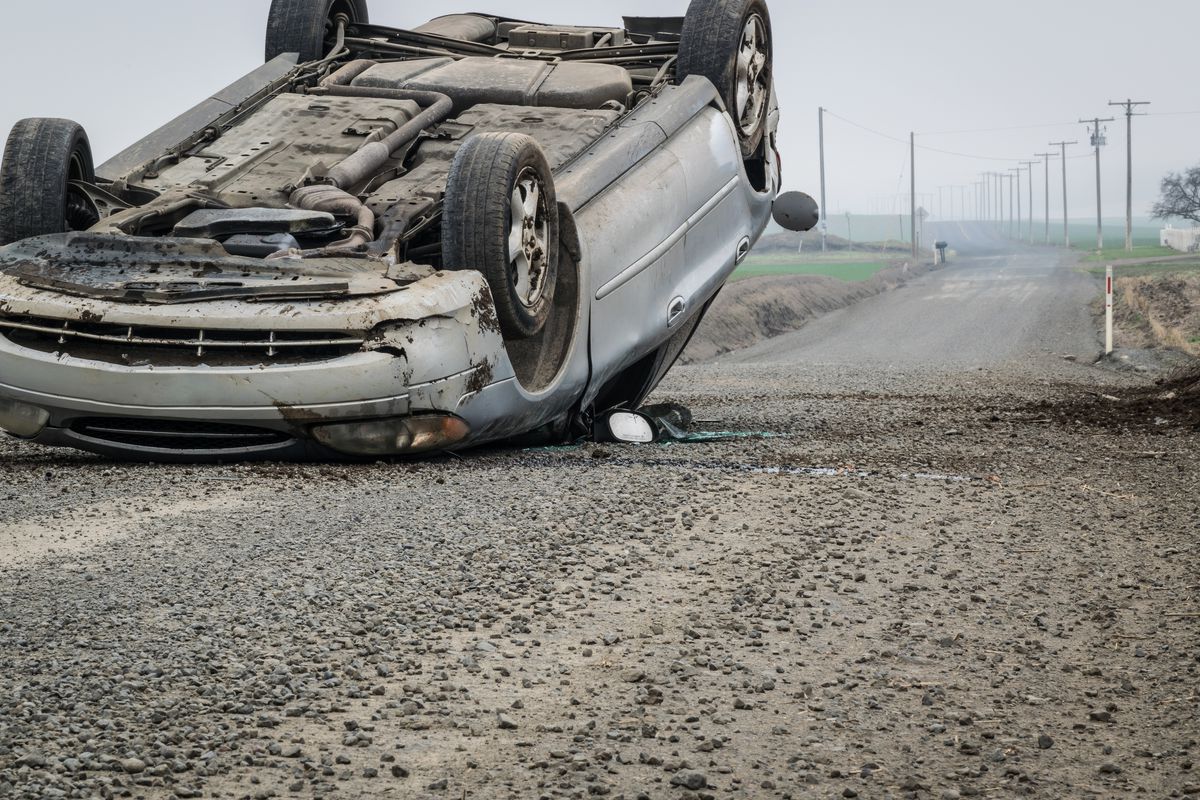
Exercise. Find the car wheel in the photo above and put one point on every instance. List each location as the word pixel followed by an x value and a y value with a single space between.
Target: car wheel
pixel 41 159
pixel 500 217
pixel 729 42
pixel 308 27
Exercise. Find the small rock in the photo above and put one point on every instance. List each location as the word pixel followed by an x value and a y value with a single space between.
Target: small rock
pixel 1110 769
pixel 689 779
pixel 1045 742
pixel 506 722
pixel 133 765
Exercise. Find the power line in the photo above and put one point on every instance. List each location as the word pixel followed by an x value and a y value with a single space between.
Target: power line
pixel 1000 129
pixel 865 128
pixel 898 140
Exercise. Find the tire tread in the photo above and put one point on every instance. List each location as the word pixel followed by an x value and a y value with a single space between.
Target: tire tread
pixel 476 220
pixel 34 175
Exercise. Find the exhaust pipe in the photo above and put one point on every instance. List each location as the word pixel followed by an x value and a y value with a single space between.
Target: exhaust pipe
pixel 334 196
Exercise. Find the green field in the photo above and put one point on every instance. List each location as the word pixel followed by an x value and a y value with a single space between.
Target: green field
pixel 847 269
pixel 1136 270
pixel 1139 251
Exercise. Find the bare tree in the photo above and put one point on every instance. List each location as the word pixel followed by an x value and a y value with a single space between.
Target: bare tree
pixel 1180 196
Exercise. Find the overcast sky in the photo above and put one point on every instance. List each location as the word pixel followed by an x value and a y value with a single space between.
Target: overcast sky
pixel 123 67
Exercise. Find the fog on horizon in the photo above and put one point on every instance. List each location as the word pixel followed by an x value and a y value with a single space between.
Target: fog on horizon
pixel 986 84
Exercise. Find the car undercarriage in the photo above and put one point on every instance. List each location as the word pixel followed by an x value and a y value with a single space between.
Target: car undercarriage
pixel 387 241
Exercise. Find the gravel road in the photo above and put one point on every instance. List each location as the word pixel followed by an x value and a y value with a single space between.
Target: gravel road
pixel 911 573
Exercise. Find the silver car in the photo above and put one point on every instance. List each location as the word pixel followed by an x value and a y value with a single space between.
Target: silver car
pixel 390 242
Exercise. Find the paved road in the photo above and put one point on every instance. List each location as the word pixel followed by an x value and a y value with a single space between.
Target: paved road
pixel 915 569
pixel 980 310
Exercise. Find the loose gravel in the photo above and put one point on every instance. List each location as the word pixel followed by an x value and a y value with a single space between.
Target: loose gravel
pixel 969 598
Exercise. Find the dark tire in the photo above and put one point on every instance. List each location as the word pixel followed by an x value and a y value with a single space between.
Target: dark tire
pixel 308 27
pixel 41 157
pixel 715 37
pixel 491 182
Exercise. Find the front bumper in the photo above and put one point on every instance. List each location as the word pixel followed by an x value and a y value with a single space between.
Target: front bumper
pixel 287 400
pixel 439 363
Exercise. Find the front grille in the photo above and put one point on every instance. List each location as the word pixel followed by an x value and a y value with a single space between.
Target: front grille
pixel 135 345
pixel 174 435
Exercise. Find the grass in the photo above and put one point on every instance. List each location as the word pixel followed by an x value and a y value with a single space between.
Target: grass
pixel 843 269
pixel 1139 251
pixel 1137 270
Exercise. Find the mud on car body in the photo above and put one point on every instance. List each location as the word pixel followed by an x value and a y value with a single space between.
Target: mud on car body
pixel 388 242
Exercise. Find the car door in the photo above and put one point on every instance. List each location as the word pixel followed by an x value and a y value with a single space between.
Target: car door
pixel 719 224
pixel 634 240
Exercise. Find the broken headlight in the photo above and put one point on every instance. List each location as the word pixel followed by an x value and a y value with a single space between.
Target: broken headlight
pixel 393 437
pixel 22 419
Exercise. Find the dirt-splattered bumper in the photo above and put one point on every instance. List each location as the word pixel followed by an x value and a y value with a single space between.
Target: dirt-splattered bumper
pixel 391 374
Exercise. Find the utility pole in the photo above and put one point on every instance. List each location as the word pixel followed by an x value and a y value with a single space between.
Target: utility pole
pixel 824 216
pixel 993 204
pixel 1020 212
pixel 1029 165
pixel 912 149
pixel 1008 179
pixel 1129 115
pixel 1046 159
pixel 1000 199
pixel 985 197
pixel 1098 141
pixel 1066 221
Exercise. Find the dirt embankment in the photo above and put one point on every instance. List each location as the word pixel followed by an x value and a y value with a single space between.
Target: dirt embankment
pixel 1159 311
pixel 750 311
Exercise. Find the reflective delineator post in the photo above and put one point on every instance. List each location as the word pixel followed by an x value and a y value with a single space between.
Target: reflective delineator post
pixel 1108 311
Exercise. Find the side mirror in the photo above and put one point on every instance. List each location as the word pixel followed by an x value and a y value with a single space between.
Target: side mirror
pixel 626 427
pixel 796 211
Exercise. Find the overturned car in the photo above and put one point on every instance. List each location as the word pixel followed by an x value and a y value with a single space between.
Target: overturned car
pixel 389 242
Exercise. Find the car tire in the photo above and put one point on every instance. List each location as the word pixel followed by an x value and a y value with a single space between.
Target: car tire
pixel 730 43
pixel 307 26
pixel 500 217
pixel 41 158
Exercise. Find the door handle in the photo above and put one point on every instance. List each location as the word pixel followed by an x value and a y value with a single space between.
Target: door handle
pixel 743 250
pixel 675 310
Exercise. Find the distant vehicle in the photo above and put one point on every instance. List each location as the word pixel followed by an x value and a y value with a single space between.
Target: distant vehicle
pixel 389 242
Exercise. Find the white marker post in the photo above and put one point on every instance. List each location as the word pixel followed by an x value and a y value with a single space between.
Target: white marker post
pixel 1108 312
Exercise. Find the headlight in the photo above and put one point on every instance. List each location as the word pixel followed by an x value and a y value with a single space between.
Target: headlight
pixel 393 437
pixel 22 419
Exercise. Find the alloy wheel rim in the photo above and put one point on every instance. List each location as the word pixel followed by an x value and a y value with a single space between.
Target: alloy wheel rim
pixel 529 238
pixel 753 78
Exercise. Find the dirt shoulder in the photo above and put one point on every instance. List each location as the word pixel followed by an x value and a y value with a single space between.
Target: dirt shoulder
pixel 1159 310
pixel 753 310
